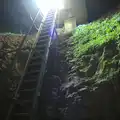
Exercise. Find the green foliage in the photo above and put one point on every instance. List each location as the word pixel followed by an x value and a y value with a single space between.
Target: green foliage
pixel 93 51
pixel 88 37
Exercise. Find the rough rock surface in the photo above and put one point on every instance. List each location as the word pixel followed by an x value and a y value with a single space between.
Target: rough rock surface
pixel 93 90
pixel 80 101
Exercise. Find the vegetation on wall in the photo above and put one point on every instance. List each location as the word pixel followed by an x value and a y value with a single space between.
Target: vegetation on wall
pixel 92 54
pixel 95 34
pixel 93 50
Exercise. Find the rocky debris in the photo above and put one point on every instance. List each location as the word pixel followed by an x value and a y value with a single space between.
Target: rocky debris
pixel 80 101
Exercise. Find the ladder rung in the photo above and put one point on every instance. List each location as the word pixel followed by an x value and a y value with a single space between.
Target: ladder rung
pixel 33 68
pixel 45 32
pixel 40 51
pixel 46 29
pixel 33 72
pixel 49 20
pixel 28 90
pixel 51 13
pixel 27 77
pixel 21 117
pixel 36 58
pixel 36 54
pixel 28 85
pixel 50 17
pixel 42 41
pixel 24 102
pixel 43 37
pixel 47 24
pixel 21 114
pixel 34 64
pixel 40 47
pixel 30 81
pixel 26 94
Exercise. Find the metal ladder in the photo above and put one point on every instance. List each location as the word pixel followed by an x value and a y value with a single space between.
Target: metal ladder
pixel 26 98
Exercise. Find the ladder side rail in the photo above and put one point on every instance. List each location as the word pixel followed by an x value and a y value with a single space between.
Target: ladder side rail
pixel 29 56
pixel 42 72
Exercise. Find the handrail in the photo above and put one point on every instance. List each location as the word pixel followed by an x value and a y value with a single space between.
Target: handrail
pixel 24 38
pixel 38 33
pixel 17 52
pixel 42 71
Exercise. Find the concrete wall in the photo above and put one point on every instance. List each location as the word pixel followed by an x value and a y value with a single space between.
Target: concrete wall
pixel 77 8
pixel 70 24
pixel 87 10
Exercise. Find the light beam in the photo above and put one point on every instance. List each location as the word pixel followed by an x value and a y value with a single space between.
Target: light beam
pixel 46 5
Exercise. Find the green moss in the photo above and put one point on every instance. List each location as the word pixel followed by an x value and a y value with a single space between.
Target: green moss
pixel 94 49
pixel 88 37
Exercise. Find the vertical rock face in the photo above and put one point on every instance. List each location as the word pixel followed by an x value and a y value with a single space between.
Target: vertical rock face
pixel 92 92
pixel 85 99
pixel 82 102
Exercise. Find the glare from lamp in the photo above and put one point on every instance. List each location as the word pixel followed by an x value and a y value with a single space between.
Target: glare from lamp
pixel 46 5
